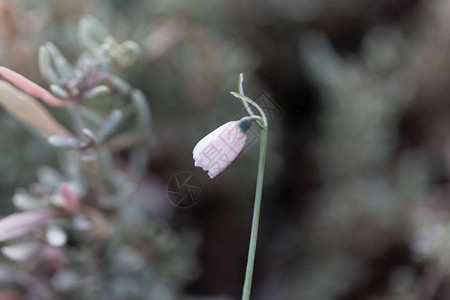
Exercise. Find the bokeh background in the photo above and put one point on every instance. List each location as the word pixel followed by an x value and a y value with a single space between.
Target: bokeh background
pixel 356 196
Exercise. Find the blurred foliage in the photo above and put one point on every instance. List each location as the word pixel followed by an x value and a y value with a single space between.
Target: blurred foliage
pixel 356 199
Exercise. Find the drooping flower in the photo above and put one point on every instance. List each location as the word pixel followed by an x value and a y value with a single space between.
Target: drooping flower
pixel 217 150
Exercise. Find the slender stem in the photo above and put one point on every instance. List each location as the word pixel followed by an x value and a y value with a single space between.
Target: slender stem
pixel 256 118
pixel 256 213
pixel 77 119
pixel 241 91
pixel 250 101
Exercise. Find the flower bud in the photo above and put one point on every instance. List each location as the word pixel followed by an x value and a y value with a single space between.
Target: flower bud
pixel 217 150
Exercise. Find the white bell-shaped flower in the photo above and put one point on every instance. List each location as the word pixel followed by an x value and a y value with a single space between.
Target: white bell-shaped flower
pixel 217 150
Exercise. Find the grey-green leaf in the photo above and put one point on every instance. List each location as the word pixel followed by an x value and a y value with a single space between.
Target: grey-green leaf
pixel 109 127
pixel 59 91
pixel 45 66
pixel 100 92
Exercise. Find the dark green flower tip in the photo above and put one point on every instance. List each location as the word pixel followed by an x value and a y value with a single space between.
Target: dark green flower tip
pixel 244 124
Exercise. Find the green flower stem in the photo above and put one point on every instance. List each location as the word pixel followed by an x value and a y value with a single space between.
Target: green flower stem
pixel 256 212
pixel 241 91
pixel 77 119
pixel 256 118
pixel 247 101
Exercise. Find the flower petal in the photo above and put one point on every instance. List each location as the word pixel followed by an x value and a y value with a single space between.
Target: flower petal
pixel 217 150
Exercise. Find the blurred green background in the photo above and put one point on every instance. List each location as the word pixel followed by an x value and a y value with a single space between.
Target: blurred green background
pixel 356 197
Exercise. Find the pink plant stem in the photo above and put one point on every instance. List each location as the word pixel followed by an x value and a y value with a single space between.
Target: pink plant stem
pixel 31 87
